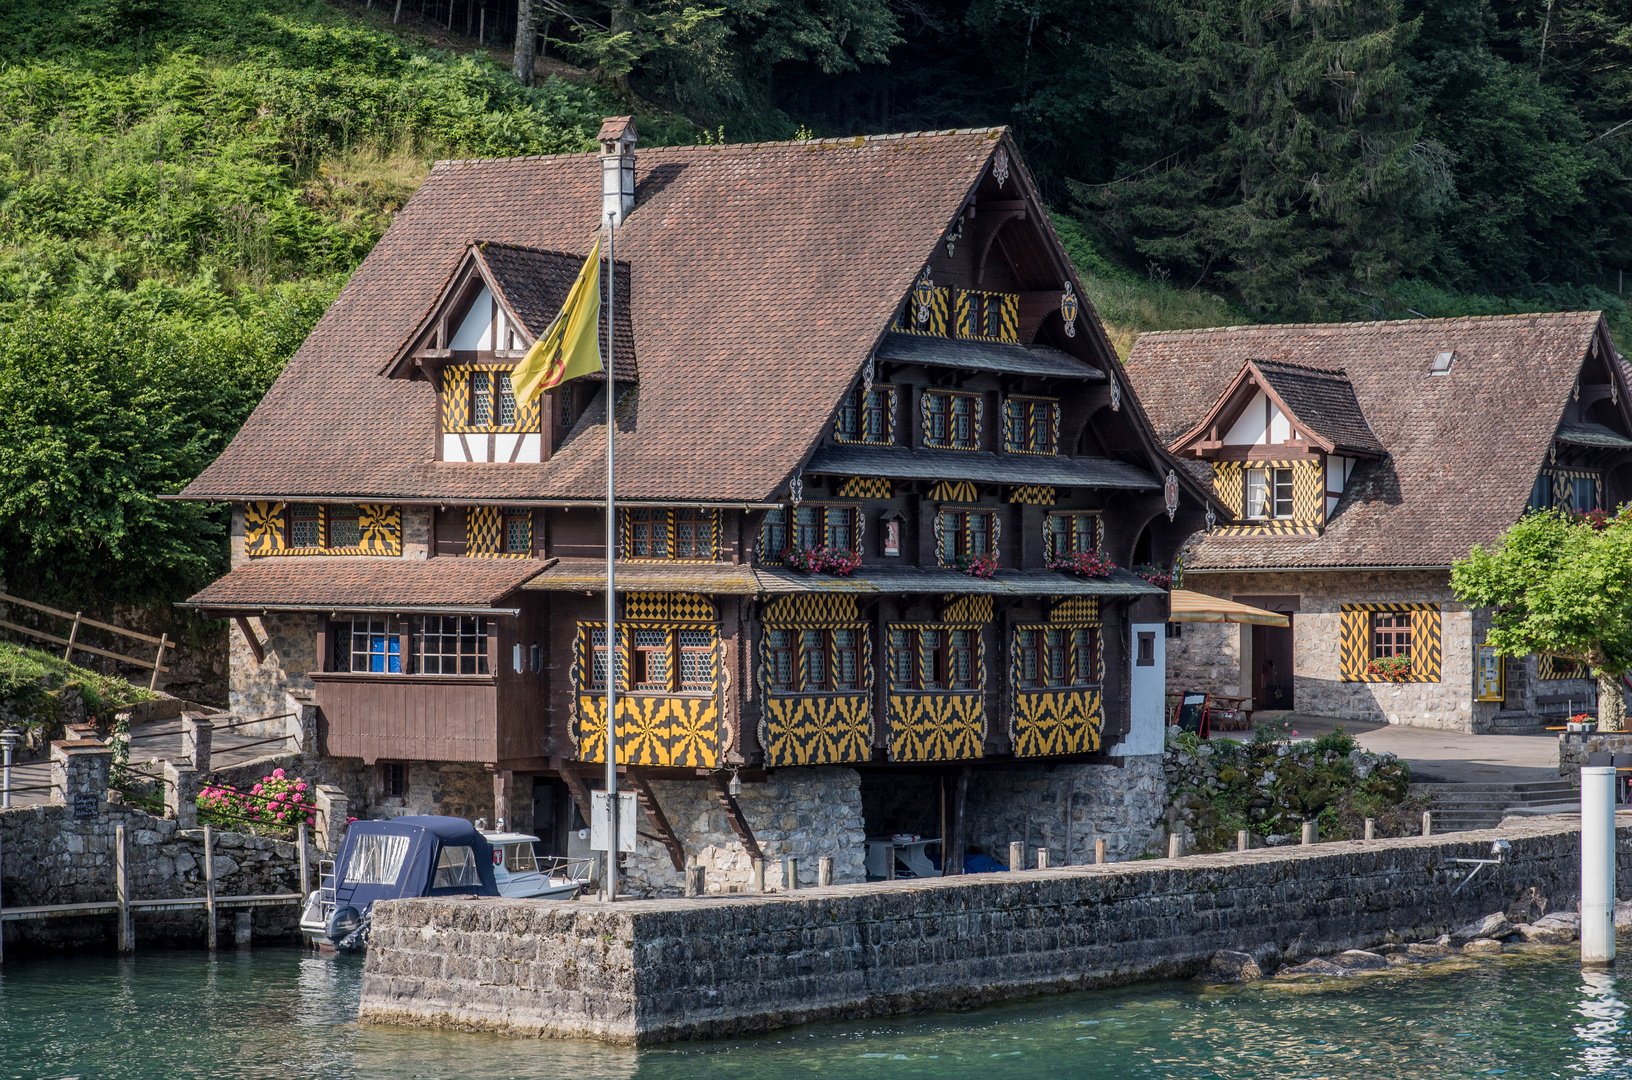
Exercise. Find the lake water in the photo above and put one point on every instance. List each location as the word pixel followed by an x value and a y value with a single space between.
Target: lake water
pixel 279 1014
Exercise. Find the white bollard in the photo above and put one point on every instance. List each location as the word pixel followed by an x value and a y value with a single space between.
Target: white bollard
pixel 1597 865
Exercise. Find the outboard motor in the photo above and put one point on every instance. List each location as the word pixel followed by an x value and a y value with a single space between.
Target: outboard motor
pixel 344 922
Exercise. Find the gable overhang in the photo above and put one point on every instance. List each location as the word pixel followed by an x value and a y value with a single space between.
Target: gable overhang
pixel 431 335
pixel 1228 408
pixel 1098 342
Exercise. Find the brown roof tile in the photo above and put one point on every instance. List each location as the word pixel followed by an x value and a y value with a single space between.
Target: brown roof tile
pixel 293 582
pixel 762 275
pixel 1324 401
pixel 1463 448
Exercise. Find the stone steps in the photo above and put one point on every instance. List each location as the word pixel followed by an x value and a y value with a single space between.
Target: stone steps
pixel 1459 807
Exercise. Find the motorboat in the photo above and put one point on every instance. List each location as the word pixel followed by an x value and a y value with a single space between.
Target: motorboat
pixel 522 875
pixel 418 855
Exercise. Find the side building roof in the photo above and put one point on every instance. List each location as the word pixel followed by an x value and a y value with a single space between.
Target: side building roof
pixel 1462 448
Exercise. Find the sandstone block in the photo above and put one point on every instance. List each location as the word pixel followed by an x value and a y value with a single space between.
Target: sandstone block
pixel 1494 925
pixel 1483 945
pixel 1359 960
pixel 1228 966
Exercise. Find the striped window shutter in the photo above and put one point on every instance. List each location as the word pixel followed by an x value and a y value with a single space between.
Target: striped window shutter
pixel 1425 648
pixel 1354 645
pixel 263 528
pixel 1009 317
pixel 1309 491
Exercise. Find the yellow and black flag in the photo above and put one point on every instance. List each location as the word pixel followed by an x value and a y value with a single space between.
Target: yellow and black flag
pixel 571 345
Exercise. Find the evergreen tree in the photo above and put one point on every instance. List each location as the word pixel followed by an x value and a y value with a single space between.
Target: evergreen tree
pixel 1269 147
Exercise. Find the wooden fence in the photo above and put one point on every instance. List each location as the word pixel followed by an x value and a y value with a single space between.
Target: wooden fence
pixel 71 644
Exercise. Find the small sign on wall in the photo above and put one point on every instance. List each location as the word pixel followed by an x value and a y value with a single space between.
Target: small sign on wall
pixel 86 804
pixel 1487 674
pixel 599 821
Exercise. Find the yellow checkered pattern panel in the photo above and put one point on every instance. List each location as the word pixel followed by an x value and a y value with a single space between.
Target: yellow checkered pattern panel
pixel 967 610
pixel 1559 667
pixel 1075 611
pixel 1309 492
pixel 1230 484
pixel 812 611
pixel 865 487
pixel 959 491
pixel 987 316
pixel 263 528
pixel 1052 722
pixel 1270 528
pixel 816 730
pixel 936 727
pixel 679 732
pixel 484 531
pixel 670 608
pixel 1354 645
pixel 1355 642
pixel 1032 495
pixel 456 402
pixel 1426 658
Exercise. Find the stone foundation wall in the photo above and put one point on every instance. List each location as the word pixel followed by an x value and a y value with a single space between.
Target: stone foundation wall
pixel 1120 805
pixel 655 970
pixel 807 813
pixel 259 689
pixel 47 856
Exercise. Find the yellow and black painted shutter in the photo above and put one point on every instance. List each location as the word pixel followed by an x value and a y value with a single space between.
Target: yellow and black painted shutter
pixel 1355 646
pixel 263 528
pixel 1425 647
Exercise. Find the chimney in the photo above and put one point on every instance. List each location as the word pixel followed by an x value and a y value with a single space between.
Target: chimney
pixel 617 140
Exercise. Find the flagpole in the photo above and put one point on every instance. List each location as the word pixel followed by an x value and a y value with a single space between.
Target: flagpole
pixel 610 876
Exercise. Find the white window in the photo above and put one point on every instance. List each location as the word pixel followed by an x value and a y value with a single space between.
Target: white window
pixel 1269 493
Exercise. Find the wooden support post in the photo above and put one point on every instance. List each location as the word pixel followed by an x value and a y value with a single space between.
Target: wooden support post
pixel 790 872
pixel 1069 796
pixel 1310 833
pixel 68 652
pixel 660 822
pixel 255 647
pixel 1017 855
pixel 696 883
pixel 158 661
pixel 1175 846
pixel 209 885
pixel 734 815
pixel 1427 823
pixel 889 862
pixel 960 793
pixel 1371 828
pixel 1242 840
pixel 1042 858
pixel 305 867
pixel 824 870
pixel 1099 853
pixel 759 875
pixel 122 884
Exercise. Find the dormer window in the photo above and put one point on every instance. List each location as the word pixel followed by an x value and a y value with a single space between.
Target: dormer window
pixel 951 421
pixel 491 395
pixel 345 529
pixel 663 533
pixel 1030 425
pixel 1269 493
pixel 305 525
pixel 869 418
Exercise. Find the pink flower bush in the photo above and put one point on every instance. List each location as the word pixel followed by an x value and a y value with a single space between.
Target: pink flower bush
pixel 832 560
pixel 275 804
pixel 1083 564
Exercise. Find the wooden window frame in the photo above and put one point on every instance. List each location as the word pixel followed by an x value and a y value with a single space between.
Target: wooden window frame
pixel 1038 415
pixel 632 664
pixel 480 632
pixel 857 415
pixel 949 440
pixel 934 653
pixel 826 644
pixel 1375 646
pixel 517 515
pixel 291 517
pixel 1070 651
pixel 953 525
pixel 821 528
pixel 1050 550
pixel 386 768
pixel 667 519
pixel 1272 499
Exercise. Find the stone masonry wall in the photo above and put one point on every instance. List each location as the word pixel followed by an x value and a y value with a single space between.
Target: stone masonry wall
pixel 1122 806
pixel 259 689
pixel 1208 657
pixel 47 856
pixel 647 971
pixel 807 813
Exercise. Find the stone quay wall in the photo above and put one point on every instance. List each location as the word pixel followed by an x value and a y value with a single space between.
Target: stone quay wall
pixel 48 856
pixel 1075 805
pixel 649 971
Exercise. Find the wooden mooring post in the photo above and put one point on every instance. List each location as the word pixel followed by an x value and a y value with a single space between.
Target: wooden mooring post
pixel 122 884
pixel 209 885
pixel 1099 853
pixel 305 888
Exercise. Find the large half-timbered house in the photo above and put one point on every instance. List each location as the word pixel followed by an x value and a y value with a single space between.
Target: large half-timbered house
pixel 1359 461
pixel 863 354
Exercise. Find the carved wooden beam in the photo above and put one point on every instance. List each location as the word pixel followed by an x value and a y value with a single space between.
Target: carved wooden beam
pixel 580 794
pixel 733 814
pixel 255 645
pixel 655 815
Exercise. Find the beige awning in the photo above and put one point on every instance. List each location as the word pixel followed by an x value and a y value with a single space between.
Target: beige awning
pixel 1190 606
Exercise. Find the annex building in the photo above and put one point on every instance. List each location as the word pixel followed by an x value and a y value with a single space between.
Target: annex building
pixel 1358 461
pixel 863 355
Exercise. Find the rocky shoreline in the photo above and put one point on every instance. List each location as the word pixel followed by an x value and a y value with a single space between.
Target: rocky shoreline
pixel 1525 922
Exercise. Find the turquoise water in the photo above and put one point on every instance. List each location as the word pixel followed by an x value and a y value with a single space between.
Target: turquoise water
pixel 281 1015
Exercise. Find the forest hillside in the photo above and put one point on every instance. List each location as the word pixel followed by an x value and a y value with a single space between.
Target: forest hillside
pixel 186 184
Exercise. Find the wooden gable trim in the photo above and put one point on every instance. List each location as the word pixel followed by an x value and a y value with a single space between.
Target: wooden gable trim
pixel 429 341
pixel 1227 409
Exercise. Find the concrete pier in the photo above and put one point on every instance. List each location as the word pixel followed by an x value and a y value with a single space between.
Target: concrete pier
pixel 655 970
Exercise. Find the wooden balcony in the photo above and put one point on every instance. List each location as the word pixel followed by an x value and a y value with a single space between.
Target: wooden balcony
pixel 409 717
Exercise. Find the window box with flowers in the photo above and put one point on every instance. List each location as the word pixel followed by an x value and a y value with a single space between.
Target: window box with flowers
pixel 1154 574
pixel 977 566
pixel 838 561
pixel 1390 668
pixel 1082 564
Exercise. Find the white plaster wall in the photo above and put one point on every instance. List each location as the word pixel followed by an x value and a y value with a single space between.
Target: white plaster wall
pixel 1248 429
pixel 1147 692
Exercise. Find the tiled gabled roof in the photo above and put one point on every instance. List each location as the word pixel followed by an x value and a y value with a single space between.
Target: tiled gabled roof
pixel 314 582
pixel 762 276
pixel 1464 447
pixel 1324 401
pixel 536 283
